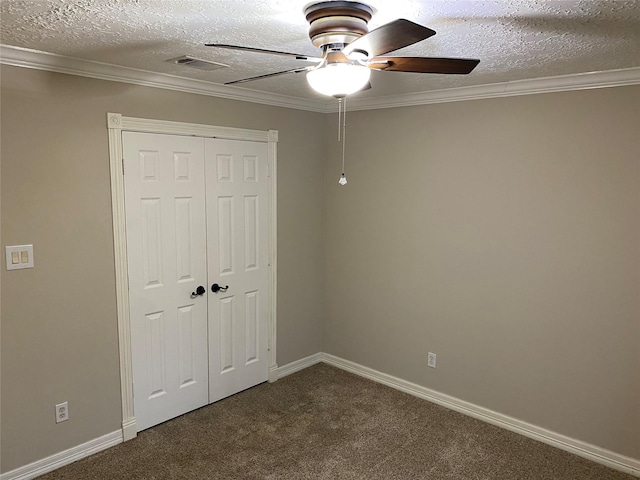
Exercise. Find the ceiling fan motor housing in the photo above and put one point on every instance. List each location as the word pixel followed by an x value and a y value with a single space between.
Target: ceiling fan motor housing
pixel 337 22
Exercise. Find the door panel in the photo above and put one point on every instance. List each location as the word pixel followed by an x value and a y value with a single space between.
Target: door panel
pixel 166 249
pixel 237 238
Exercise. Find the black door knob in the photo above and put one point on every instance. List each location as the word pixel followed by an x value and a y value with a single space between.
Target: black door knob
pixel 199 291
pixel 215 288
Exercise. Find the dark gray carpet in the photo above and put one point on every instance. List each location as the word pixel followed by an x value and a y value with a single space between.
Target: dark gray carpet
pixel 323 423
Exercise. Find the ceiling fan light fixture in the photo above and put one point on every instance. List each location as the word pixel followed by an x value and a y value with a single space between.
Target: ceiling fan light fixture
pixel 339 79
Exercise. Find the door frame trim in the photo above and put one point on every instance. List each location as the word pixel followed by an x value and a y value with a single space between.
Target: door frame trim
pixel 116 124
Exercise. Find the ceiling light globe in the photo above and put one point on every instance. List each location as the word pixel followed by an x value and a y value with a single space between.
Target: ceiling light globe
pixel 339 79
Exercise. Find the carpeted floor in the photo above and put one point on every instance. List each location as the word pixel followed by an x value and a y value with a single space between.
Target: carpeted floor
pixel 323 423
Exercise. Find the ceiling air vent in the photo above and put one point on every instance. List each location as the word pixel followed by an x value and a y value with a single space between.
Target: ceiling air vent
pixel 197 63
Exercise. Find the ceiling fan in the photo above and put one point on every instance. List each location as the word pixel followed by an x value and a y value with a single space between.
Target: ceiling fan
pixel 350 51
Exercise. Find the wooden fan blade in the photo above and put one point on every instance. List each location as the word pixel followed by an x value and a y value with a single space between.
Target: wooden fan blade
pixel 297 56
pixel 268 75
pixel 459 66
pixel 389 37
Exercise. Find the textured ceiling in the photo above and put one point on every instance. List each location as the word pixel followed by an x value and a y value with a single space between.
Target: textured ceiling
pixel 514 39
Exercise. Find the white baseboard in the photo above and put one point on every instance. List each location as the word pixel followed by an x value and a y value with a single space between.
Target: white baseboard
pixel 577 447
pixel 298 365
pixel 61 459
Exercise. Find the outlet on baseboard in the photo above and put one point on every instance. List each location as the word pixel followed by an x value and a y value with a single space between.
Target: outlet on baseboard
pixel 431 360
pixel 62 412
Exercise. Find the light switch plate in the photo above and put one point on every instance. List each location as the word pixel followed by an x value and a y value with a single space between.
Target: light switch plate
pixel 19 256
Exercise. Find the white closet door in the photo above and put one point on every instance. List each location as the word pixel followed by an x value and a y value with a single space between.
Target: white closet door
pixel 166 249
pixel 237 237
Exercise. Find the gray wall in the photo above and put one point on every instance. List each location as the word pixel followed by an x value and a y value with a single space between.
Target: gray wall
pixel 59 327
pixel 503 235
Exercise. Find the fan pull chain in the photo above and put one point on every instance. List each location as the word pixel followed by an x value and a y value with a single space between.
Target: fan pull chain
pixel 339 117
pixel 343 179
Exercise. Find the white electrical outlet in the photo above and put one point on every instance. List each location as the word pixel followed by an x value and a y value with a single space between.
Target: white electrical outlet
pixel 431 360
pixel 62 412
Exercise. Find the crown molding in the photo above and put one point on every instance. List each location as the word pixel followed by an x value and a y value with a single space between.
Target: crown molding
pixel 563 83
pixel 26 58
pixel 23 57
